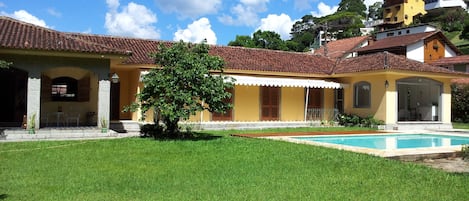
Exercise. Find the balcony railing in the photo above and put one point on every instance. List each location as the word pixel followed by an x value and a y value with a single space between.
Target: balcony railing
pixel 320 114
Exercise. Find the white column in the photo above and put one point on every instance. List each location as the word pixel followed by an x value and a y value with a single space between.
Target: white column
pixel 34 100
pixel 104 101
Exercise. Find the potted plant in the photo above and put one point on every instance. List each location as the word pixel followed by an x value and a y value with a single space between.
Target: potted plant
pixel 32 124
pixel 104 125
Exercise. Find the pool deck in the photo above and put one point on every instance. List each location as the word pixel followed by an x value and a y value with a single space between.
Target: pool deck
pixel 411 154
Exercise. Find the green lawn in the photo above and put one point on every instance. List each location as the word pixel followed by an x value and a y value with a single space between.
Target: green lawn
pixel 219 168
pixel 460 125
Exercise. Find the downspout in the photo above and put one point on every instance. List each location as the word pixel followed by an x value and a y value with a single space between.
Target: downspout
pixel 306 101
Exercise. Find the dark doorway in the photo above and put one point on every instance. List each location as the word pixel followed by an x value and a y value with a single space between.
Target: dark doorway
pixel 13 85
pixel 115 103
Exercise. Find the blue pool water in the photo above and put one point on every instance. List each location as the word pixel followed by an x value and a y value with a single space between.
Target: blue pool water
pixel 392 141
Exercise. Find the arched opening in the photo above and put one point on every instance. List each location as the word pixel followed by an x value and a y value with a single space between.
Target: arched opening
pixel 419 99
pixel 13 85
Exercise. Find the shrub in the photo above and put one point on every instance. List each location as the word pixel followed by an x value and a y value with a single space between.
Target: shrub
pixel 355 120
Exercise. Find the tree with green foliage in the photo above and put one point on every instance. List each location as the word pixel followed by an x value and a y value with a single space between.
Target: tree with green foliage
pixel 375 11
pixel 460 103
pixel 345 24
pixel 355 6
pixel 242 41
pixel 261 39
pixel 5 64
pixel 186 81
pixel 303 34
pixel 268 40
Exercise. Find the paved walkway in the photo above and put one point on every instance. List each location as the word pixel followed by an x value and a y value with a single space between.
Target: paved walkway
pixel 64 133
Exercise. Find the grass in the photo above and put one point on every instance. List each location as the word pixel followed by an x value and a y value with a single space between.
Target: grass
pixel 460 125
pixel 221 168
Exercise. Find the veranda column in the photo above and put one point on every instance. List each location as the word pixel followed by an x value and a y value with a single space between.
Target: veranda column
pixel 104 102
pixel 33 106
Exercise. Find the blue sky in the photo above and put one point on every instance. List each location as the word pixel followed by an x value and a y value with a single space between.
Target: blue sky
pixel 218 21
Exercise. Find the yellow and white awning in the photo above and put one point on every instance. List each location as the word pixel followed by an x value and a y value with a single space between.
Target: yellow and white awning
pixel 283 82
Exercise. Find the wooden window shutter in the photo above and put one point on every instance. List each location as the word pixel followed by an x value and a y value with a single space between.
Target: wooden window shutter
pixel 270 103
pixel 84 89
pixel 46 88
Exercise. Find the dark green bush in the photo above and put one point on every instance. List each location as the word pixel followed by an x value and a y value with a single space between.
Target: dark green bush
pixel 355 120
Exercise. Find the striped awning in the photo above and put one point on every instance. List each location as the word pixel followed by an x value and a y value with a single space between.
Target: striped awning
pixel 283 82
pixel 277 82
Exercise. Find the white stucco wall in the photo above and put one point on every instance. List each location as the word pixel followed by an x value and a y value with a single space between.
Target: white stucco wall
pixel 416 51
pixel 449 52
pixel 405 31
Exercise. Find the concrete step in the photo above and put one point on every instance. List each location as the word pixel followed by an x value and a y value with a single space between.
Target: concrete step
pixel 125 126
pixel 65 133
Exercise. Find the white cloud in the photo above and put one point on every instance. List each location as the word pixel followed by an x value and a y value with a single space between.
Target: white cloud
pixel 113 4
pixel 26 17
pixel 135 20
pixel 190 8
pixel 197 32
pixel 53 12
pixel 371 2
pixel 280 24
pixel 324 9
pixel 87 31
pixel 245 13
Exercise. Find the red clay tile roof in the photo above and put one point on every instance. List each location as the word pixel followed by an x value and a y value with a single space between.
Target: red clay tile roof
pixel 140 48
pixel 337 49
pixel 403 41
pixel 238 58
pixel 15 34
pixel 464 81
pixel 241 58
pixel 386 61
pixel 20 35
pixel 463 59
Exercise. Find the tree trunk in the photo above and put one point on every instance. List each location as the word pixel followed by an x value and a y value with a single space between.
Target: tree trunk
pixel 172 126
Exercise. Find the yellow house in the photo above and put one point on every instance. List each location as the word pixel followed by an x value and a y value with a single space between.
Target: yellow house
pixel 72 79
pixel 399 13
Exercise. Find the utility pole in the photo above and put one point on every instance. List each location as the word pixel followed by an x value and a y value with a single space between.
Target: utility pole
pixel 325 40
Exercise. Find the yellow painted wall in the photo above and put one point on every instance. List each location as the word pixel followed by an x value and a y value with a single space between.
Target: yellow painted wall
pixel 413 8
pixel 129 81
pixel 384 100
pixel 378 100
pixel 292 104
pixel 246 103
pixel 410 8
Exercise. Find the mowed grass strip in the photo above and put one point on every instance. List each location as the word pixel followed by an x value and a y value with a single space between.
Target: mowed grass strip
pixel 219 168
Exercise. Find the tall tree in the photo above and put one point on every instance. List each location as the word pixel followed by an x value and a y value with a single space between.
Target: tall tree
pixel 303 34
pixel 261 39
pixel 242 41
pixel 188 80
pixel 356 6
pixel 268 40
pixel 375 11
pixel 345 24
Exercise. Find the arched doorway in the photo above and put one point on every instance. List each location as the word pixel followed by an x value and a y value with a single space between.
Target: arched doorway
pixel 13 86
pixel 419 99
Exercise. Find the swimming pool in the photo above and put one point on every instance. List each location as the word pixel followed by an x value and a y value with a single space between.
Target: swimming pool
pixel 391 141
